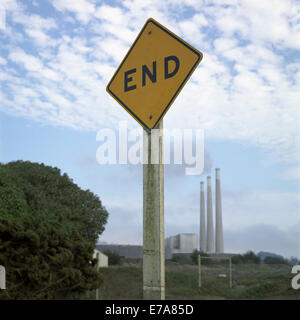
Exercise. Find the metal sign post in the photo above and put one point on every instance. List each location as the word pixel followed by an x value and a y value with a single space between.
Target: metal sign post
pixel 153 216
pixel 146 83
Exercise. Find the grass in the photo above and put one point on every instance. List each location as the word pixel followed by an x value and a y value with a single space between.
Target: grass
pixel 122 282
pixel 249 282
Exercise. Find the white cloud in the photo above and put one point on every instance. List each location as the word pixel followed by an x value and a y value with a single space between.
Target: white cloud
pixel 191 28
pixel 30 62
pixel 2 61
pixel 33 21
pixel 292 173
pixel 83 9
pixel 224 44
pixel 259 22
pixel 246 89
pixel 9 4
pixel 113 15
pixel 40 37
pixel 123 33
pixel 35 26
pixel 2 18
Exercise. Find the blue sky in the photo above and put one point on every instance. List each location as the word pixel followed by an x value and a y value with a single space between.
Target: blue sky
pixel 56 58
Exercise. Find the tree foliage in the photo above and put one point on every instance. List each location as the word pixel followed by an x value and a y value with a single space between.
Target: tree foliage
pixel 275 260
pixel 113 257
pixel 248 257
pixel 48 231
pixel 194 256
pixel 181 259
pixel 196 253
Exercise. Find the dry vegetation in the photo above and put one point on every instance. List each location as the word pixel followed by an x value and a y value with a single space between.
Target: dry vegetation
pixel 249 282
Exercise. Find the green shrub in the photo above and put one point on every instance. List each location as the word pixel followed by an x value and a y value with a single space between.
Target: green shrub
pixel 181 259
pixel 248 257
pixel 251 257
pixel 194 258
pixel 113 257
pixel 48 230
pixel 275 260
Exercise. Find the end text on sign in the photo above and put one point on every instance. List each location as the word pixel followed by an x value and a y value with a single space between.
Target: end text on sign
pixel 171 67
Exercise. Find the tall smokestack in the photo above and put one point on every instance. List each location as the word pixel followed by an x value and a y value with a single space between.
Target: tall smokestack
pixel 219 224
pixel 202 219
pixel 210 224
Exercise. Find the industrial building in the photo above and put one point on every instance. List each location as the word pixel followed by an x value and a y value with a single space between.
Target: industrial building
pixel 123 250
pixel 211 239
pixel 180 244
pixel 102 259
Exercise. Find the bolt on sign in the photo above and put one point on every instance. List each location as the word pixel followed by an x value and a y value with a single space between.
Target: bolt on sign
pixel 152 74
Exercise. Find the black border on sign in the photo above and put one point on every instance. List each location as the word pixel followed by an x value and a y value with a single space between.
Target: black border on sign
pixel 199 54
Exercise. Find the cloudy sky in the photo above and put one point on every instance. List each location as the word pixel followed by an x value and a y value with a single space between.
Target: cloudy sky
pixel 56 58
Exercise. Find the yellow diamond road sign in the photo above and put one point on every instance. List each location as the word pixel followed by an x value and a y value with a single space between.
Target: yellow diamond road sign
pixel 153 72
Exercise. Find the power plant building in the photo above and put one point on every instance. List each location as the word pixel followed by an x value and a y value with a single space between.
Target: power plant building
pixel 126 251
pixel 210 240
pixel 181 244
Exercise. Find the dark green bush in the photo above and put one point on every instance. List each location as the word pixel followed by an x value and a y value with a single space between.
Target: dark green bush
pixel 248 257
pixel 48 230
pixel 194 258
pixel 113 257
pixel 275 260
